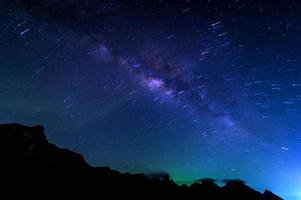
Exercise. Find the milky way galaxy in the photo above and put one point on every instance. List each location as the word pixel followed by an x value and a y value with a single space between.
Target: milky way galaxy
pixel 194 88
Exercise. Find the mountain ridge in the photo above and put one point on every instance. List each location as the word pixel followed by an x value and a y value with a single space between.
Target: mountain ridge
pixel 31 164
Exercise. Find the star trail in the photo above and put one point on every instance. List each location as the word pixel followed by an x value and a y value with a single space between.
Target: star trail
pixel 195 88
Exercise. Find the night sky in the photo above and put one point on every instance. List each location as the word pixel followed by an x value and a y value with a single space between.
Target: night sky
pixel 194 88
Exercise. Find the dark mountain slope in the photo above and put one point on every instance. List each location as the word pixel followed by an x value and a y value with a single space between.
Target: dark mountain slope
pixel 32 167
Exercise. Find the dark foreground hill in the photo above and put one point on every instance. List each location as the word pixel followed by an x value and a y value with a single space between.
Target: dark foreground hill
pixel 30 166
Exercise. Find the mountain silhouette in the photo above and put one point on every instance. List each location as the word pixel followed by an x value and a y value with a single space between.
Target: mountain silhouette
pixel 31 167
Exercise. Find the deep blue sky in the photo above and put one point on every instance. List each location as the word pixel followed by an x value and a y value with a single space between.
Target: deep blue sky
pixel 194 88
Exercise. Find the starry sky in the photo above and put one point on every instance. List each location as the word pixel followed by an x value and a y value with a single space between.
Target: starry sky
pixel 202 88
